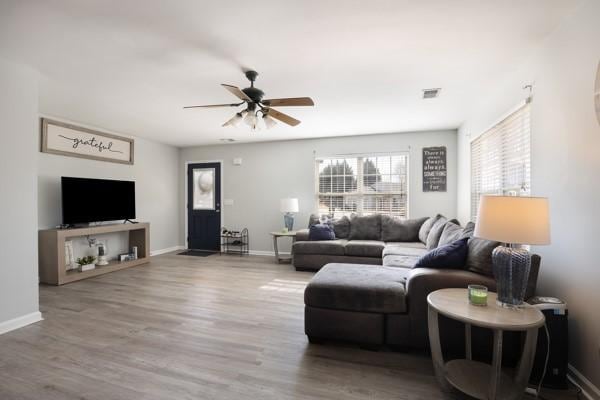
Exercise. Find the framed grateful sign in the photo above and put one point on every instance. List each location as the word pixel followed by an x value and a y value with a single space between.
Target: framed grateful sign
pixel 74 141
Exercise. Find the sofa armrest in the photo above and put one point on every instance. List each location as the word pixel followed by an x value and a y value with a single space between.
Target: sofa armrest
pixel 422 281
pixel 302 235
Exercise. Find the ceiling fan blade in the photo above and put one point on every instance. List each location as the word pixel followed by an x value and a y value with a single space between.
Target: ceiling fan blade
pixel 237 92
pixel 290 101
pixel 282 117
pixel 216 105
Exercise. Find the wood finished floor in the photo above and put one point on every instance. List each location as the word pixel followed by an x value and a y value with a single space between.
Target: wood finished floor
pixel 218 327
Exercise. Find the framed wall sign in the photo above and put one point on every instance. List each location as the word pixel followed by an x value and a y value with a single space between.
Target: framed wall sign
pixel 74 141
pixel 434 169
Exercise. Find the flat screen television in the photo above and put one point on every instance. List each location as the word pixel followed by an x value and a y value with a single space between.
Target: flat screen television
pixel 94 200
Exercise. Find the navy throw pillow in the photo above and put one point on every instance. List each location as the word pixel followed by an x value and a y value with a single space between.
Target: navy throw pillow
pixel 321 232
pixel 452 255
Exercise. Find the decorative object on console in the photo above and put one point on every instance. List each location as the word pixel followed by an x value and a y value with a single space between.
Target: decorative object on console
pixel 289 206
pixel 75 141
pixel 252 98
pixel 102 248
pixel 86 263
pixel 69 256
pixel 514 221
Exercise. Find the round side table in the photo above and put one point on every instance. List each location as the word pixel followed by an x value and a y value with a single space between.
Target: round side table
pixel 477 379
pixel 276 235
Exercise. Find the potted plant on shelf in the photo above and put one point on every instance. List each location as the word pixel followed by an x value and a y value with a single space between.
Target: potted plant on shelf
pixel 86 263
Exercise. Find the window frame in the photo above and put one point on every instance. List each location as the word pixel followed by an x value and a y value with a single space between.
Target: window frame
pixel 503 165
pixel 359 194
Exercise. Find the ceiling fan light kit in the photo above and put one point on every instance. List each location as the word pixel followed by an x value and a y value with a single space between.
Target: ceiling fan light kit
pixel 253 98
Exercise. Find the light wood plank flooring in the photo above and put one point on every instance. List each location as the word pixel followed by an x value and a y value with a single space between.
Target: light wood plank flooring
pixel 220 327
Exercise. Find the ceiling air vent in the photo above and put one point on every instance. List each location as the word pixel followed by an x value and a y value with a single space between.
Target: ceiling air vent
pixel 431 93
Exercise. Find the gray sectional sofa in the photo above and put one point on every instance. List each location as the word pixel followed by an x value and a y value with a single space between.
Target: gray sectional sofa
pixel 370 293
pixel 374 239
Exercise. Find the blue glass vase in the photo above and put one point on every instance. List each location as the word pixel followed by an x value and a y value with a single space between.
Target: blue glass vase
pixel 511 269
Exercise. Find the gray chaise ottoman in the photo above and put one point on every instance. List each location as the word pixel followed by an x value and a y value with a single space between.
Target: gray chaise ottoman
pixel 349 302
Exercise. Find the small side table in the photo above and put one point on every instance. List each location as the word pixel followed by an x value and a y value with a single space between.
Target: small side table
pixel 474 378
pixel 276 235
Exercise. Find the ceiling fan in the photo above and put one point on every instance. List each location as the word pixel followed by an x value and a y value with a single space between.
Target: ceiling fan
pixel 253 98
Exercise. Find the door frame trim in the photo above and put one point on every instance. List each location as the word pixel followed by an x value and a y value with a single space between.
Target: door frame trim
pixel 185 198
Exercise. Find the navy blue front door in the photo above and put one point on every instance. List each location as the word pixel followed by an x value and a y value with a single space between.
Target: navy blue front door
pixel 204 206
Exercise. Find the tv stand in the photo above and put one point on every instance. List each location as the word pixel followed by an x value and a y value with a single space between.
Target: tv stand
pixel 130 221
pixel 52 266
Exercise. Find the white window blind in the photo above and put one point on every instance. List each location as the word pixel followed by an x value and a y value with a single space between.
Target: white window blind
pixel 363 185
pixel 501 159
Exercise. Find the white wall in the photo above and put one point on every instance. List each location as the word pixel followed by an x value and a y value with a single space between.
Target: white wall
pixel 156 175
pixel 565 167
pixel 274 170
pixel 18 209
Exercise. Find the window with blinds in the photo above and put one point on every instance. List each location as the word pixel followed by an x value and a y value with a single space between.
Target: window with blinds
pixel 501 159
pixel 363 185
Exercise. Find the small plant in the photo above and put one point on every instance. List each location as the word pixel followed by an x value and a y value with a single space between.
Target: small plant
pixel 86 260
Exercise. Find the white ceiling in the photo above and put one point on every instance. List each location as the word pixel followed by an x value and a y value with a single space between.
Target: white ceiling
pixel 130 66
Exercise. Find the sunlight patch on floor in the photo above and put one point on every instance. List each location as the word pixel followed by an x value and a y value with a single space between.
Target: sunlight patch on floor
pixel 284 285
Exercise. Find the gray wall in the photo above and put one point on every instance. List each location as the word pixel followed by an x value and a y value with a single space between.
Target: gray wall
pixel 18 209
pixel 156 176
pixel 274 170
pixel 565 167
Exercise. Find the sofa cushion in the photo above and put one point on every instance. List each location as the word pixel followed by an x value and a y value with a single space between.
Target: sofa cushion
pixel 321 232
pixel 468 230
pixel 450 233
pixel 353 287
pixel 412 245
pixel 426 227
pixel 394 229
pixel 341 226
pixel 452 255
pixel 329 247
pixel 400 261
pixel 433 237
pixel 403 251
pixel 364 248
pixel 366 227
pixel 479 257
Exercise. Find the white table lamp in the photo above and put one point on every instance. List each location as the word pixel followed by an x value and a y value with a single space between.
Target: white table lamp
pixel 289 206
pixel 513 221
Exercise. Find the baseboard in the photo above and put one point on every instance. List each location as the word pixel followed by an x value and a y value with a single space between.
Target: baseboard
pixel 588 389
pixel 267 253
pixel 167 250
pixel 20 322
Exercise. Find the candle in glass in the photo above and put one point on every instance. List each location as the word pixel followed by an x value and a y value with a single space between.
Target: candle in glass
pixel 478 295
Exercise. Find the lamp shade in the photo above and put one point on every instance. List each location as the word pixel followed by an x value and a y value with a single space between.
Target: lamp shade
pixel 289 205
pixel 516 220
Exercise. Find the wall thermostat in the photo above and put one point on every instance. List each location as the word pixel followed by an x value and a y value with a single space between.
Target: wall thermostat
pixel 237 161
